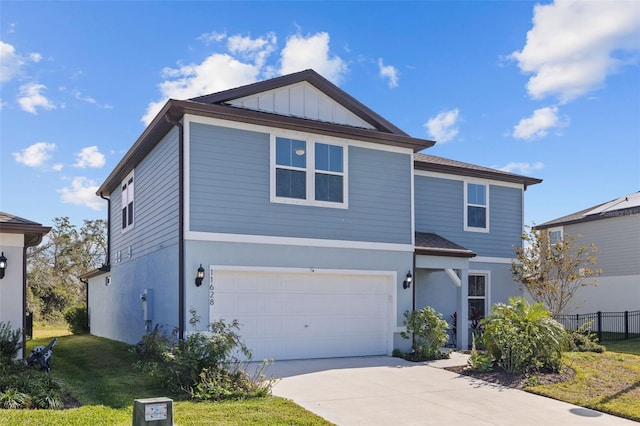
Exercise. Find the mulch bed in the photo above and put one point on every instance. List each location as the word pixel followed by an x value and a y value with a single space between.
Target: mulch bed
pixel 517 381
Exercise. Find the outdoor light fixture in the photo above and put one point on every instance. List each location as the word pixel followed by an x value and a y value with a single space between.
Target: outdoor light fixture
pixel 407 281
pixel 199 276
pixel 3 265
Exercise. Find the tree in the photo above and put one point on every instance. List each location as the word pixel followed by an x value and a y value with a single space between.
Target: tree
pixel 552 272
pixel 54 266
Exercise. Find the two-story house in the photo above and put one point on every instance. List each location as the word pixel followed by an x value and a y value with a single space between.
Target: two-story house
pixel 614 228
pixel 295 209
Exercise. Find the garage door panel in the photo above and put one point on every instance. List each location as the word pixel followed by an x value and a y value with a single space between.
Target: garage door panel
pixel 306 315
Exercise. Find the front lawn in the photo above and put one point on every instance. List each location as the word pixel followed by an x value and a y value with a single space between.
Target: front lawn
pixel 101 376
pixel 607 382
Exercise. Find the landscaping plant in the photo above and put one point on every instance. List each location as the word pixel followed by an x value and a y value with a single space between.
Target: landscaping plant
pixel 77 318
pixel 583 340
pixel 205 366
pixel 521 337
pixel 10 342
pixel 428 332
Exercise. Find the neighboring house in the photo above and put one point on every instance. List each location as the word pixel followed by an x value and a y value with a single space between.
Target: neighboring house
pixel 307 212
pixel 614 228
pixel 16 234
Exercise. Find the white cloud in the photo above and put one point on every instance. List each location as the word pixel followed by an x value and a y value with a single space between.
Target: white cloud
pixel 212 36
pixel 539 124
pixel 35 155
pixel 30 98
pixel 389 72
pixel 575 44
pixel 302 53
pixel 82 192
pixel 79 96
pixel 245 63
pixel 89 157
pixel 256 50
pixel 11 62
pixel 443 127
pixel 57 167
pixel 217 72
pixel 522 168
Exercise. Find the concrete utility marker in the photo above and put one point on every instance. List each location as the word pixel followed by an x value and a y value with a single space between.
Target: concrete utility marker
pixel 379 391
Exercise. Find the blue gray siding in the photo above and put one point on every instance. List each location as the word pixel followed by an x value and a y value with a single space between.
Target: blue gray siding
pixel 617 239
pixel 229 192
pixel 439 205
pixel 148 251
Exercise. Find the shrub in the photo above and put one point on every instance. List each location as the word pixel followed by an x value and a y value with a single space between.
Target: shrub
pixel 206 366
pixel 21 387
pixel 10 342
pixel 583 340
pixel 428 332
pixel 77 318
pixel 521 337
pixel 478 361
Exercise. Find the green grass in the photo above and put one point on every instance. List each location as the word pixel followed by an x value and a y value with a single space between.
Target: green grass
pixel 607 382
pixel 101 376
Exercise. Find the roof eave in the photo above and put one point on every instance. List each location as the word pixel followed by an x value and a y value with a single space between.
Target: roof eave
pixel 426 251
pixel 484 174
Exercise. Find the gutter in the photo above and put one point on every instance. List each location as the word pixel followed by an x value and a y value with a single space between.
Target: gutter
pixel 181 281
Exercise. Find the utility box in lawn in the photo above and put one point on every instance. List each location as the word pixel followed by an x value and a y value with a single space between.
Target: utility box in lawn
pixel 153 412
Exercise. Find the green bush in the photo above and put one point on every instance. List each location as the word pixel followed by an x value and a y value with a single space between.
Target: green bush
pixel 10 342
pixel 21 388
pixel 428 332
pixel 479 361
pixel 521 337
pixel 78 319
pixel 206 366
pixel 583 340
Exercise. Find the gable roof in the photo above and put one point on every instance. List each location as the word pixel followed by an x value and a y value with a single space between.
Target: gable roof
pixel 626 205
pixel 433 163
pixel 33 231
pixel 216 106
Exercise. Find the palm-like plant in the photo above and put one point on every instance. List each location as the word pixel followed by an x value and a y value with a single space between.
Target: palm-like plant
pixel 521 337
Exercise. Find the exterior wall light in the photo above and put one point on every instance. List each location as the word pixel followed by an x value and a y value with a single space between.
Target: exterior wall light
pixel 407 281
pixel 199 276
pixel 3 265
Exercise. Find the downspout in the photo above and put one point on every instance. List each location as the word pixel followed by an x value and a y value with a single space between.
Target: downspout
pixel 181 289
pixel 86 301
pixel 26 245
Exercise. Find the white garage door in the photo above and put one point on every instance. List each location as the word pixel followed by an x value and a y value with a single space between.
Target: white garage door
pixel 291 315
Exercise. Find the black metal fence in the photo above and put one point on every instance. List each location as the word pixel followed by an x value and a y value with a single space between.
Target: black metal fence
pixel 608 326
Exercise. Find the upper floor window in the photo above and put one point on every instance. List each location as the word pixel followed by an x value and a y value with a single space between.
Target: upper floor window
pixel 308 172
pixel 476 207
pixel 555 235
pixel 127 202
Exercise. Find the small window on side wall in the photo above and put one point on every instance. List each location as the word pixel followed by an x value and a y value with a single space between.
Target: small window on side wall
pixel 127 202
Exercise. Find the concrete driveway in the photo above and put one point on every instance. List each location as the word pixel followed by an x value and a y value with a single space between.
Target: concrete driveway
pixel 382 390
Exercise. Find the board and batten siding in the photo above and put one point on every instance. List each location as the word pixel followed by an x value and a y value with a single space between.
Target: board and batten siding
pixel 439 205
pixel 229 174
pixel 617 239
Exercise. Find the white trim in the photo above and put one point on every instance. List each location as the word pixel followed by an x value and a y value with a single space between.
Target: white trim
pixel 487 289
pixel 550 231
pixel 130 177
pixel 186 169
pixel 413 201
pixel 468 178
pixel 488 259
pixel 293 241
pixel 310 170
pixel 466 227
pixel 454 277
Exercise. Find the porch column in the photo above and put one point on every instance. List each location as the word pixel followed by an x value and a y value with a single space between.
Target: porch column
pixel 463 310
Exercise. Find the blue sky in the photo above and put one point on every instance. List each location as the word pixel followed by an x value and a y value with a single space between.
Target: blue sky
pixel 550 90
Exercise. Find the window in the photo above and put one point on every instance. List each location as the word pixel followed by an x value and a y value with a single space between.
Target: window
pixel 476 207
pixel 308 172
pixel 555 235
pixel 478 290
pixel 127 203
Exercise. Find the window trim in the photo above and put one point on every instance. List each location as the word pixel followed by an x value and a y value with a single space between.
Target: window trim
pixel 466 226
pixel 125 182
pixel 487 291
pixel 310 171
pixel 550 231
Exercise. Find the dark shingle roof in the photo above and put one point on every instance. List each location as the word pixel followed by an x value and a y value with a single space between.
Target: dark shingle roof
pixel 625 205
pixel 32 231
pixel 435 245
pixel 433 163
